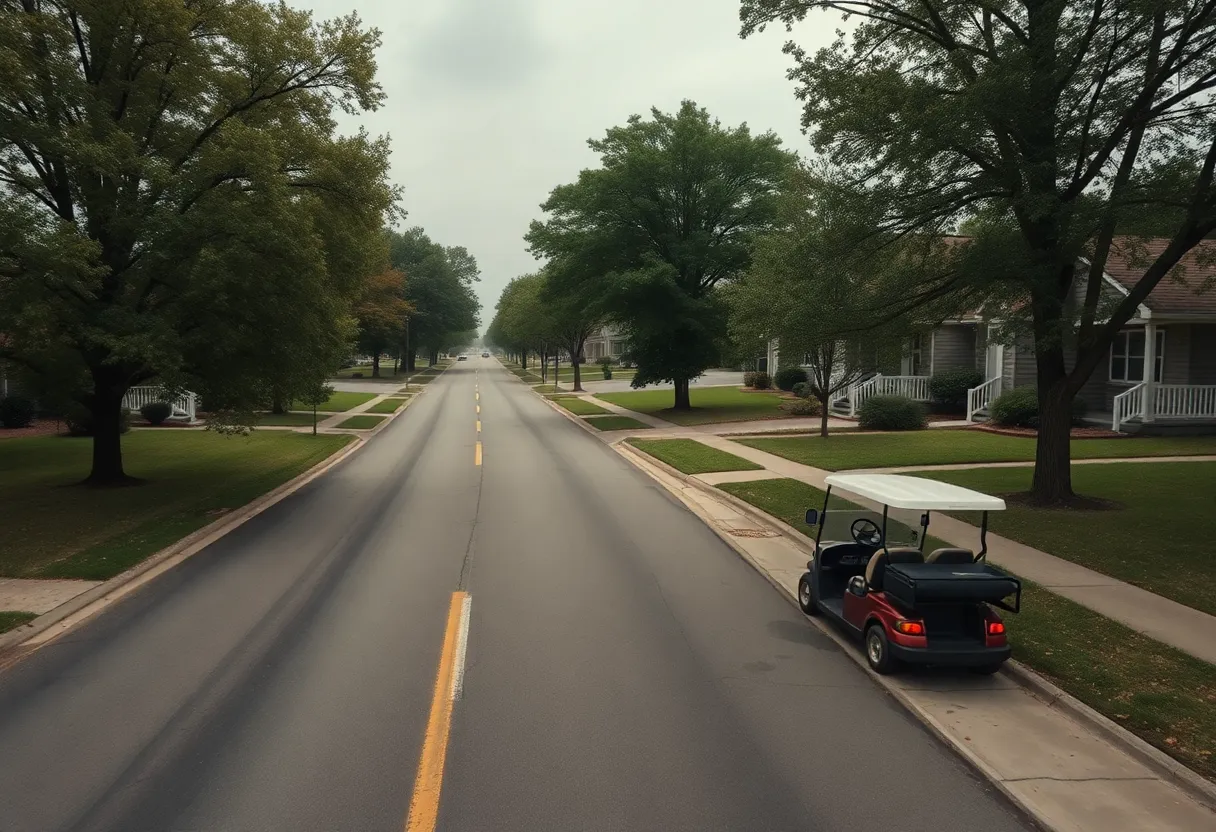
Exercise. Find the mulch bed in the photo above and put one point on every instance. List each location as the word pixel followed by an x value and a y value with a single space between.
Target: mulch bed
pixel 39 428
pixel 1031 433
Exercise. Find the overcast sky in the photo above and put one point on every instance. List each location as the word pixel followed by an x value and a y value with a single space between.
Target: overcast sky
pixel 491 102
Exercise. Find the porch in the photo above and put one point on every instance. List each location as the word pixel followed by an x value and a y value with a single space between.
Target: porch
pixel 185 406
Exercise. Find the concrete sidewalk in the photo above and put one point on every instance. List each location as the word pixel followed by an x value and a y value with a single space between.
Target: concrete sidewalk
pixel 670 430
pixel 1160 618
pixel 1061 770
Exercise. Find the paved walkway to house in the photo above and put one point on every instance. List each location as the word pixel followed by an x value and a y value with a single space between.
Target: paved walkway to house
pixel 1167 621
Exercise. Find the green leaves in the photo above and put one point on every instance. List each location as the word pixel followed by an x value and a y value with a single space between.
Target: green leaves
pixel 672 212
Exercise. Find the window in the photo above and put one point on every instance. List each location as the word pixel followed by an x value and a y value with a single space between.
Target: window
pixel 1127 356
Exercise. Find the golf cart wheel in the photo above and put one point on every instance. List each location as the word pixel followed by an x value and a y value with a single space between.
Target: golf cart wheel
pixel 806 596
pixel 986 669
pixel 878 650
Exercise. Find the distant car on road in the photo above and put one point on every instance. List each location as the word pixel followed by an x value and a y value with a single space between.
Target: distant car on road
pixel 485 355
pixel 462 357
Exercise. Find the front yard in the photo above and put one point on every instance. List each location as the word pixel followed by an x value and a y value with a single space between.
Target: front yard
pixel 1161 539
pixel 1163 695
pixel 943 446
pixel 710 405
pixel 54 529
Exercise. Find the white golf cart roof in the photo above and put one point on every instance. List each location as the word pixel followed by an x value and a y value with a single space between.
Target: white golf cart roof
pixel 899 491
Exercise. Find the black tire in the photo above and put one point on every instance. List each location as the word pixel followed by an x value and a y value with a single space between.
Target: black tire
pixel 986 669
pixel 806 595
pixel 878 651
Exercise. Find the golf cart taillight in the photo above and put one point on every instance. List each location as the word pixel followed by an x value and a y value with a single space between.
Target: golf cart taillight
pixel 996 628
pixel 910 628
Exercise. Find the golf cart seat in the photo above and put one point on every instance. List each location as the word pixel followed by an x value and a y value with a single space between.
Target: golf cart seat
pixel 877 567
pixel 950 556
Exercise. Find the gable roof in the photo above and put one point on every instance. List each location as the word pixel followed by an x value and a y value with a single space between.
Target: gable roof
pixel 1180 292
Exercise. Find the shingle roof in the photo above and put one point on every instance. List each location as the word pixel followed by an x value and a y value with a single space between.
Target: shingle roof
pixel 1190 289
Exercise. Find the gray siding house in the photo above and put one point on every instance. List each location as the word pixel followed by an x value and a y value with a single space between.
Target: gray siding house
pixel 1173 333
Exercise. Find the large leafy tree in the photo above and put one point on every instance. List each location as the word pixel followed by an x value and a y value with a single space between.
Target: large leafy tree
pixel 173 194
pixel 1053 125
pixel 670 214
pixel 381 311
pixel 439 287
pixel 817 305
pixel 523 320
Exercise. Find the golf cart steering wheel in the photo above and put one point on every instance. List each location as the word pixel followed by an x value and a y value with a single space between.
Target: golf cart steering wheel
pixel 866 532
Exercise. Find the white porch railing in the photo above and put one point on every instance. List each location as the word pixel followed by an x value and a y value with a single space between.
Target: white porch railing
pixel 1184 401
pixel 980 397
pixel 914 387
pixel 1169 401
pixel 184 406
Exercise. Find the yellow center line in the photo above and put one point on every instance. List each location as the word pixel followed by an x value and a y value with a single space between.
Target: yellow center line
pixel 479 409
pixel 479 426
pixel 476 397
pixel 477 454
pixel 428 783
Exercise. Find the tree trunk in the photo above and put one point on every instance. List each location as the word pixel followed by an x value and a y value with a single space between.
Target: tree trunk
pixel 376 365
pixel 276 404
pixel 411 361
pixel 105 407
pixel 544 366
pixel 823 415
pixel 578 379
pixel 434 357
pixel 1053 453
pixel 682 400
pixel 396 364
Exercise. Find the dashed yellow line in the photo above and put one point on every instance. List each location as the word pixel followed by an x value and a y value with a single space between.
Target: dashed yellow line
pixel 479 409
pixel 476 397
pixel 477 454
pixel 479 426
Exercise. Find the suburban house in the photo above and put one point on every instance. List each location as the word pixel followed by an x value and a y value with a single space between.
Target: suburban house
pixel 606 341
pixel 1174 333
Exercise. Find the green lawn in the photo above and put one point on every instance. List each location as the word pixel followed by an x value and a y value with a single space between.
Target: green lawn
pixel 615 422
pixel 339 402
pixel 709 405
pixel 386 406
pixel 1161 694
pixel 693 457
pixel 582 407
pixel 54 529
pixel 361 422
pixel 1161 540
pixel 945 446
pixel 11 620
pixel 288 419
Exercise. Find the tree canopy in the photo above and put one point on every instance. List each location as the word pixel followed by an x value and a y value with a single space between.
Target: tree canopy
pixel 671 212
pixel 174 195
pixel 439 287
pixel 1054 127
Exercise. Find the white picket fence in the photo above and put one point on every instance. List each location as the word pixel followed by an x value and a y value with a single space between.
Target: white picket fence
pixel 184 406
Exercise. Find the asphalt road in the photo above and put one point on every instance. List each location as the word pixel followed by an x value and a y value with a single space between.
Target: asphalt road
pixel 625 670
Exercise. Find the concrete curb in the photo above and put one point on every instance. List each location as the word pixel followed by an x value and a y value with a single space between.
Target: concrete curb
pixel 1170 770
pixel 100 596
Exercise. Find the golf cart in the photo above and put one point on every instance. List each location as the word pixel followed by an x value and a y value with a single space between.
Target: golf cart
pixel 870 573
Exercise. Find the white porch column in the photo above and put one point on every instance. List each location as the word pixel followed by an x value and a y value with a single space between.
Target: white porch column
pixel 1150 368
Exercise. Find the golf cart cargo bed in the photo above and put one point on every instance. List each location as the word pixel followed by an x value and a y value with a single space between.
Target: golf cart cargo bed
pixel 927 583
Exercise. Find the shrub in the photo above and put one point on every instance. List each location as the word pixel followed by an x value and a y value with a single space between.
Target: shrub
pixel 16 412
pixel 787 377
pixel 949 387
pixel 801 407
pixel 749 378
pixel 1019 408
pixel 761 381
pixel 802 390
pixel 156 412
pixel 606 361
pixel 80 421
pixel 891 413
pixel 1016 408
